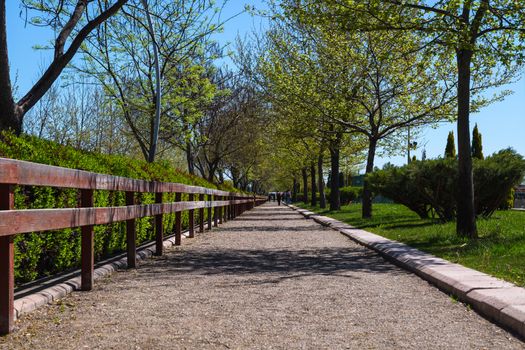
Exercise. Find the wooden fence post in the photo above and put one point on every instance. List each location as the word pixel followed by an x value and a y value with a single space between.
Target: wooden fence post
pixel 178 222
pixel 87 249
pixel 220 211
pixel 233 208
pixel 210 198
pixel 216 212
pixel 7 266
pixel 159 228
pixel 131 234
pixel 225 210
pixel 191 221
pixel 201 214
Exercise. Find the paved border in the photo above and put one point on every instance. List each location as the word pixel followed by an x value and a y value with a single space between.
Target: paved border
pixel 31 301
pixel 498 300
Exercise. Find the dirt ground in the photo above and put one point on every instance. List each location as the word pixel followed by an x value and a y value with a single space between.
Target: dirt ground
pixel 268 280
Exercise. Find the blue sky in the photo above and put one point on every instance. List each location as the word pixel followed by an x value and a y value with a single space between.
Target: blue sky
pixel 501 124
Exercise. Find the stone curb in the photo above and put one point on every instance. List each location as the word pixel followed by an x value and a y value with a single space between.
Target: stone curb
pixel 31 302
pixel 497 300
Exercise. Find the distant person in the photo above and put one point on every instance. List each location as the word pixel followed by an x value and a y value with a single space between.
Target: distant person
pixel 288 197
pixel 279 197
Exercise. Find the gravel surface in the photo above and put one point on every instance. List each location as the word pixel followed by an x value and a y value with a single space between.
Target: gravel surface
pixel 268 280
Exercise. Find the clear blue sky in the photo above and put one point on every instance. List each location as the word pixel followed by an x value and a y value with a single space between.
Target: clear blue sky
pixel 501 124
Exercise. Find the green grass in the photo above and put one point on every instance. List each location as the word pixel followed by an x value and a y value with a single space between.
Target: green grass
pixel 500 250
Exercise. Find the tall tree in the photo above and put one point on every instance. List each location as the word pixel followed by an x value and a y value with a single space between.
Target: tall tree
pixel 119 55
pixel 73 22
pixel 450 148
pixel 485 39
pixel 477 146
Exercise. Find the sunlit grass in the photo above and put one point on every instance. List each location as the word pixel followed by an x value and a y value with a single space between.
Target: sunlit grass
pixel 500 250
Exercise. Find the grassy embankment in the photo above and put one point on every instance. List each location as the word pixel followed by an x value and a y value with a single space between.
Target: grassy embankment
pixel 43 254
pixel 500 250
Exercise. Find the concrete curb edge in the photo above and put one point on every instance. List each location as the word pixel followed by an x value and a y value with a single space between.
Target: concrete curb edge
pixel 495 299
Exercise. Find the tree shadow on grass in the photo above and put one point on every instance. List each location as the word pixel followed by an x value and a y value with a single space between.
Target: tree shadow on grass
pixel 408 224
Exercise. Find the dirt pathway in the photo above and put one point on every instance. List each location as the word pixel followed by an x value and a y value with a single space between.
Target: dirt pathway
pixel 268 280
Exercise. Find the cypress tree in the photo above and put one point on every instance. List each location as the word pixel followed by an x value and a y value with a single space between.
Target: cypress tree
pixel 450 149
pixel 477 146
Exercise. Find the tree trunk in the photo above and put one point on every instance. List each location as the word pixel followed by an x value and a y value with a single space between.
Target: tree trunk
pixel 13 114
pixel 158 88
pixel 294 189
pixel 305 185
pixel 466 215
pixel 189 158
pixel 9 119
pixel 314 185
pixel 320 180
pixel 235 176
pixel 335 201
pixel 367 193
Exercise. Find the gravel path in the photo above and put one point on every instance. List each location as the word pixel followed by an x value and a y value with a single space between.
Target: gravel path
pixel 268 280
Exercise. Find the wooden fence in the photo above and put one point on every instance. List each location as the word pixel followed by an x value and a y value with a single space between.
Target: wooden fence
pixel 12 222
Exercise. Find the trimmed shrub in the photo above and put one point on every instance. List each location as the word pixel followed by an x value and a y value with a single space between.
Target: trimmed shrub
pixel 349 194
pixel 494 178
pixel 398 184
pixel 431 186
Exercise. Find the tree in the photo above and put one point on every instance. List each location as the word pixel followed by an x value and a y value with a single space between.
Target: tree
pixel 484 38
pixel 477 147
pixel 119 56
pixel 370 84
pixel 450 148
pixel 73 22
pixel 81 116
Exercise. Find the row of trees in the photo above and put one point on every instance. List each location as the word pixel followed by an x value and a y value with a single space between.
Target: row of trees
pixel 476 148
pixel 350 78
pixel 139 78
pixel 330 84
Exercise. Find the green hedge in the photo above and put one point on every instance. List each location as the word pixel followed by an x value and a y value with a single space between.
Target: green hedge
pixel 347 195
pixel 350 194
pixel 430 186
pixel 42 254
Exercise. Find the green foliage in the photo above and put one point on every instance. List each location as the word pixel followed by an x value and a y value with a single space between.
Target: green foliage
pixel 398 184
pixel 508 203
pixel 41 254
pixel 450 149
pixel 494 178
pixel 499 250
pixel 477 146
pixel 431 186
pixel 349 194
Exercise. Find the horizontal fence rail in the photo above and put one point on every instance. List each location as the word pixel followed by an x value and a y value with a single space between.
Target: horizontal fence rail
pixel 13 173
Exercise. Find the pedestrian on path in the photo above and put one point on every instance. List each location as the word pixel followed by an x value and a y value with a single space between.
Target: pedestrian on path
pixel 279 197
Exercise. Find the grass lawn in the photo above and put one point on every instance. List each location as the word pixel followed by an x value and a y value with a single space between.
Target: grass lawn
pixel 500 250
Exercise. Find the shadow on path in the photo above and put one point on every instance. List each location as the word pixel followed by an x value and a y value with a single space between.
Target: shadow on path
pixel 287 262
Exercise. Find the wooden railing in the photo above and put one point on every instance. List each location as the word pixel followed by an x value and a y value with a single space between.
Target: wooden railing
pixel 12 222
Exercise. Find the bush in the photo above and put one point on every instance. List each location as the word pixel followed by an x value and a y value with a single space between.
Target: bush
pixel 41 254
pixel 494 179
pixel 509 202
pixel 398 184
pixel 300 197
pixel 349 194
pixel 431 186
